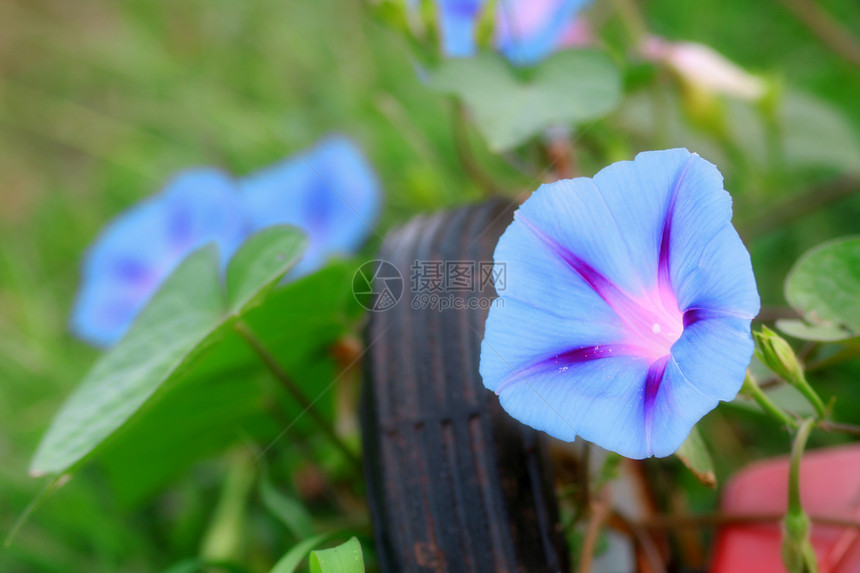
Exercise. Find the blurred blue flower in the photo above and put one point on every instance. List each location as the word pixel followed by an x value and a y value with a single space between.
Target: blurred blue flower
pixel 457 21
pixel 626 313
pixel 526 31
pixel 329 191
pixel 141 247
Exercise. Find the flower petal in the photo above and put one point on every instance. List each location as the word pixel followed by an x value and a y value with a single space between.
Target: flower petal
pixel 600 400
pixel 524 342
pixel 532 325
pixel 715 278
pixel 638 194
pixel 202 206
pixel 672 207
pixel 707 366
pixel 713 355
pixel 527 31
pixel 141 247
pixel 572 217
pixel 457 22
pixel 330 192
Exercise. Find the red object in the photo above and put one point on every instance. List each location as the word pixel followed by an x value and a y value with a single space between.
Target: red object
pixel 829 487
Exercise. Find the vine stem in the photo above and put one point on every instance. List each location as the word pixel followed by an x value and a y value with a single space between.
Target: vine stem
pixel 794 504
pixel 798 555
pixel 752 390
pixel 812 396
pixel 293 389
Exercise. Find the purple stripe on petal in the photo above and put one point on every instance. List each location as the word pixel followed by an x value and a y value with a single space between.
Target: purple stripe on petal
pixel 605 288
pixel 652 387
pixel 588 353
pixel 664 278
pixel 694 315
pixel 561 362
pixel 653 321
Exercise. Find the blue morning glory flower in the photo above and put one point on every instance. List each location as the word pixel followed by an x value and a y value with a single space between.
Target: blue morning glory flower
pixel 141 247
pixel 329 191
pixel 527 31
pixel 626 313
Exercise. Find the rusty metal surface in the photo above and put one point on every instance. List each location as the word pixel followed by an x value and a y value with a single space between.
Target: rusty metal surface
pixel 454 483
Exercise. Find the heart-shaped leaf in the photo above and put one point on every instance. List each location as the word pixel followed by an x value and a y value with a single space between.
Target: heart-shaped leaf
pixel 262 260
pixel 185 319
pixel 570 87
pixel 824 287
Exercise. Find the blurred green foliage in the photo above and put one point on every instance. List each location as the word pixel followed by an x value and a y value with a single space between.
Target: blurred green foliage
pixel 100 102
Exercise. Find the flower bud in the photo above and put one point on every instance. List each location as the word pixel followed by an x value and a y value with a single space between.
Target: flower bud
pixel 704 69
pixel 777 355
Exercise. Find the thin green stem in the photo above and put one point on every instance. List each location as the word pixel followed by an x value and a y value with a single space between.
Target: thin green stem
pixel 293 389
pixel 794 505
pixel 797 553
pixel 811 396
pixel 752 390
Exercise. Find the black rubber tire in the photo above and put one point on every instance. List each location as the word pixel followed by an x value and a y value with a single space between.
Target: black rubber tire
pixel 454 483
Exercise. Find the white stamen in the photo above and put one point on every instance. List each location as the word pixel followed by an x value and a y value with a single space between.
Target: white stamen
pixel 656 328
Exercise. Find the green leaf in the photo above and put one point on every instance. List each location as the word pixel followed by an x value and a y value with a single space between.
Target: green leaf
pixel 817 332
pixel 162 342
pixel 570 87
pixel 294 557
pixel 262 260
pixel 694 454
pixel 320 308
pixel 345 558
pixel 291 513
pixel 817 134
pixel 228 392
pixel 824 287
pixel 185 321
pixel 222 396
